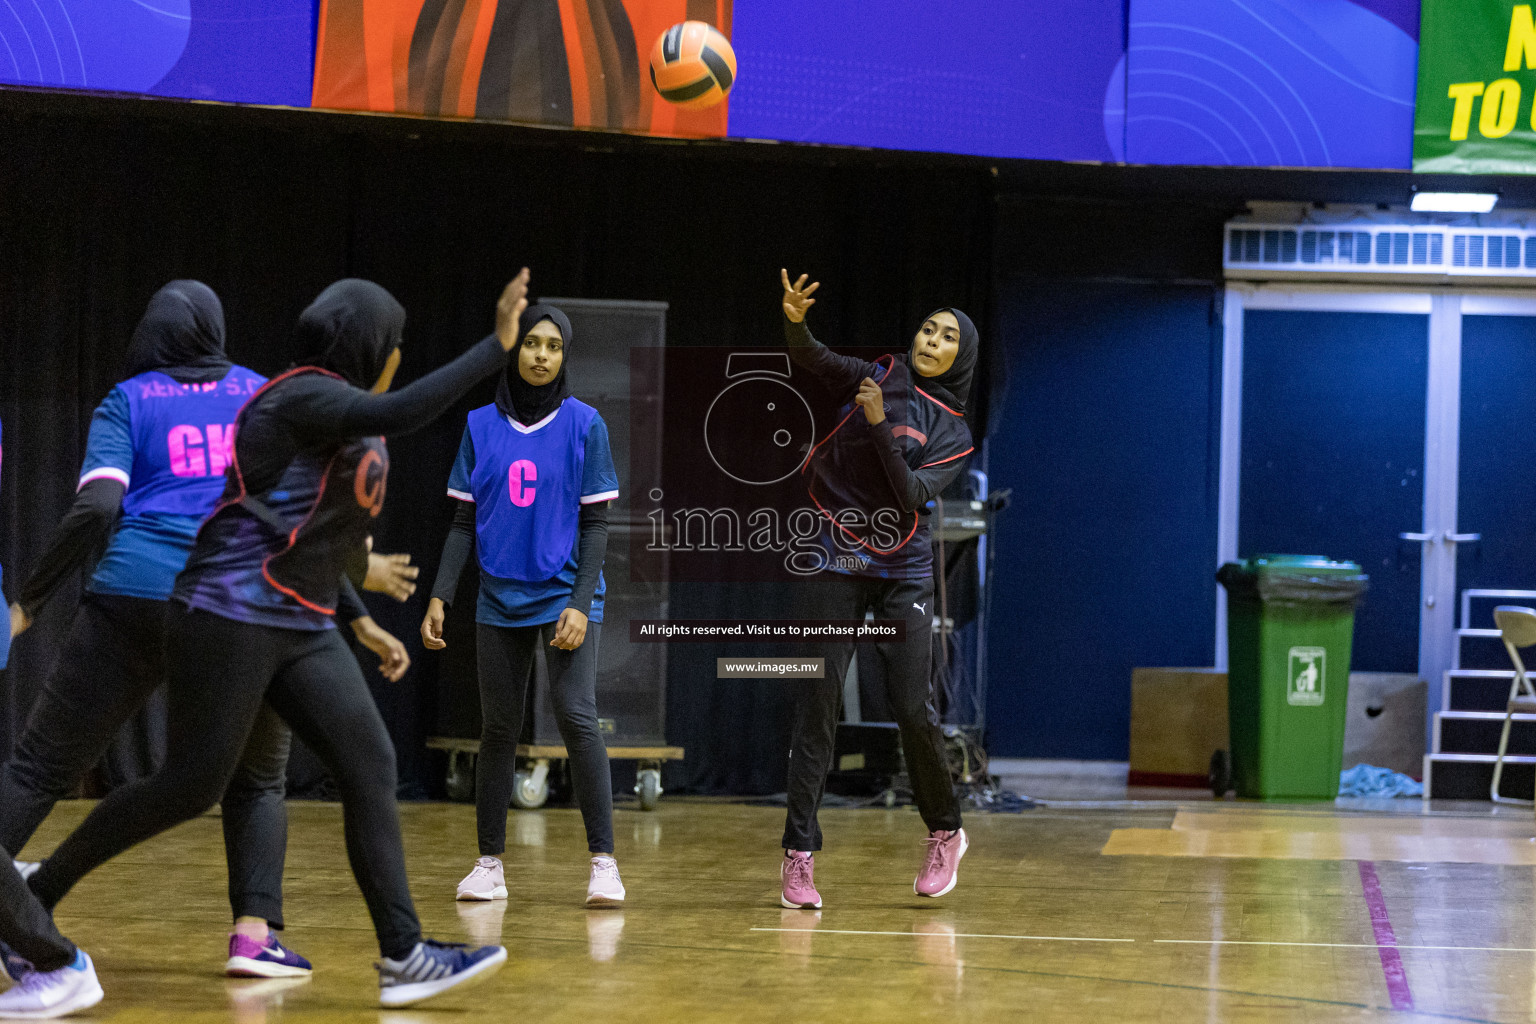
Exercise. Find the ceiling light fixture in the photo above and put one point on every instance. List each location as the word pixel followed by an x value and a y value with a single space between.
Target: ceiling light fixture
pixel 1453 202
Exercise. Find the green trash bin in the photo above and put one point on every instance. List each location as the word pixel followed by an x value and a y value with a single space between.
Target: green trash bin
pixel 1290 626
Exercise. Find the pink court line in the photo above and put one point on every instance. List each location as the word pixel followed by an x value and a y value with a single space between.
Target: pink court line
pixel 1340 945
pixel 956 935
pixel 1386 939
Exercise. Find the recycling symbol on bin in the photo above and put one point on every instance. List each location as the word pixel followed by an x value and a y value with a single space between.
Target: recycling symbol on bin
pixel 1308 672
pixel 758 429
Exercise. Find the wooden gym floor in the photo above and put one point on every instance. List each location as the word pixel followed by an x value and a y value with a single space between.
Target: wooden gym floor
pixel 1112 912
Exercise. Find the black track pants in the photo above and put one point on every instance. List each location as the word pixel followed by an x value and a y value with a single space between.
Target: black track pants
pixel 26 927
pixel 506 659
pixel 220 670
pixel 908 688
pixel 112 662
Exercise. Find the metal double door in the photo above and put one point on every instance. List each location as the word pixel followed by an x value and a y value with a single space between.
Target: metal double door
pixel 1390 428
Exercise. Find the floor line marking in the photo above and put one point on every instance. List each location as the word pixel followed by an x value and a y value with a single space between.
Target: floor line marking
pixel 1386 939
pixel 1340 945
pixel 956 935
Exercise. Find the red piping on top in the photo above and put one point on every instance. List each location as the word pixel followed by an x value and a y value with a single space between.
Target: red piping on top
pixel 936 402
pixel 234 462
pixel 952 458
pixel 804 465
pixel 855 537
pixel 890 362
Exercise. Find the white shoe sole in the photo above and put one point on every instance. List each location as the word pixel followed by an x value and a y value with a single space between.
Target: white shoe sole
pixel 599 900
pixel 498 893
pixel 246 967
pixel 954 877
pixel 787 905
pixel 405 995
pixel 81 1000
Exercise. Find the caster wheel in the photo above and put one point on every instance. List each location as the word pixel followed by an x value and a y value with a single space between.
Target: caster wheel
pixel 530 789
pixel 1221 773
pixel 461 776
pixel 648 788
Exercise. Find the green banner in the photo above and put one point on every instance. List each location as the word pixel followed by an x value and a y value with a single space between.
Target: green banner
pixel 1476 110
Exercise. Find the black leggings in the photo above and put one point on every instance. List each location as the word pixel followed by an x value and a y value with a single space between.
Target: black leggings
pixel 506 664
pixel 111 664
pixel 219 672
pixel 26 927
pixel 908 687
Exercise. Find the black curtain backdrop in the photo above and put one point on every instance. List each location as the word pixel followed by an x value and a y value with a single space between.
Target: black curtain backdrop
pixel 104 200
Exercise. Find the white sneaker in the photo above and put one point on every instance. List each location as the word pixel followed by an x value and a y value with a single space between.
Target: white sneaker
pixel 27 868
pixel 485 882
pixel 605 889
pixel 40 995
pixel 603 933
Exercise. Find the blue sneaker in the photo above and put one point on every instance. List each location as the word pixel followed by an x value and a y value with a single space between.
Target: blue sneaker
pixel 13 965
pixel 250 959
pixel 433 968
pixel 40 995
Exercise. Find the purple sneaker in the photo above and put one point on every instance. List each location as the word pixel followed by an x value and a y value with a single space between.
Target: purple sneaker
pixel 797 874
pixel 941 868
pixel 250 959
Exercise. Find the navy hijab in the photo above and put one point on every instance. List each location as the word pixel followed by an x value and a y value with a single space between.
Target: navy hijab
pixel 350 329
pixel 953 386
pixel 181 334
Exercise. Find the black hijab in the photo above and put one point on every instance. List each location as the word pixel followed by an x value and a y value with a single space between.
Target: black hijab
pixel 953 386
pixel 181 334
pixel 350 329
pixel 528 403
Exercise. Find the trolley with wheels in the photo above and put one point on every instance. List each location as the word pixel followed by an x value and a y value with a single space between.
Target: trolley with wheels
pixel 531 787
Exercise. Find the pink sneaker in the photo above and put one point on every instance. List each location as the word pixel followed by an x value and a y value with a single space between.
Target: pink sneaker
pixel 941 869
pixel 605 889
pixel 797 874
pixel 485 882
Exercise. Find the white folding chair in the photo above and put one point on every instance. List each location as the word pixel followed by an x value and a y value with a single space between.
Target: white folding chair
pixel 1517 628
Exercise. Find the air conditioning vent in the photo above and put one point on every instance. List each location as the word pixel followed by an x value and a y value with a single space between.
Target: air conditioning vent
pixel 1434 252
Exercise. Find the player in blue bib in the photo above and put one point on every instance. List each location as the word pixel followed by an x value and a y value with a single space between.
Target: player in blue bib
pixel 154 468
pixel 533 478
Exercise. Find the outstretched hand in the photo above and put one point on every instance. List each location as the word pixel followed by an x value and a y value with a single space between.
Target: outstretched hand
pixel 509 310
pixel 391 574
pixel 797 297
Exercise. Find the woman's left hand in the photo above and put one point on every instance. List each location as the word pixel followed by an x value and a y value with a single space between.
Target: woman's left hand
pixel 872 400
pixel 570 631
pixel 393 661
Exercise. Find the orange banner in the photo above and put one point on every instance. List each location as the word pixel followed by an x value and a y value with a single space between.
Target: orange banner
pixel 561 62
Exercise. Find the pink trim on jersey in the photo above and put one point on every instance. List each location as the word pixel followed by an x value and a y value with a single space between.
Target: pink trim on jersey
pixel 593 499
pixel 104 473
pixel 936 402
pixel 952 458
pixel 906 431
pixel 461 495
